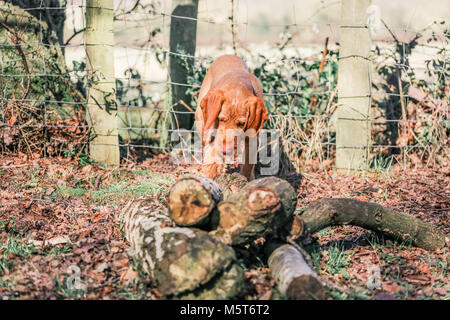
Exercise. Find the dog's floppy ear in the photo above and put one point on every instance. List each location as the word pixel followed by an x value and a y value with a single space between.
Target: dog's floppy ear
pixel 256 114
pixel 211 105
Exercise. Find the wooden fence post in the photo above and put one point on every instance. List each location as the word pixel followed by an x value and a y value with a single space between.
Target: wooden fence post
pixel 354 87
pixel 101 98
pixel 183 38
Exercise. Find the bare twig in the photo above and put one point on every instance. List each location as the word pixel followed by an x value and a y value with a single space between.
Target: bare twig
pixel 77 32
pixel 325 52
pixel 136 4
pixel 185 105
pixel 15 40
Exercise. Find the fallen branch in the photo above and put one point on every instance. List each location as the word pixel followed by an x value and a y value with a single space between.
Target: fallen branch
pixel 331 212
pixel 193 264
pixel 294 277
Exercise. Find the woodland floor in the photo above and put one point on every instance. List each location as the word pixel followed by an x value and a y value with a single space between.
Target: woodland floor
pixel 58 226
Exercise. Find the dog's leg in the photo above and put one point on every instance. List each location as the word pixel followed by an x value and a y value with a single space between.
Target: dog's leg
pixel 248 169
pixel 212 163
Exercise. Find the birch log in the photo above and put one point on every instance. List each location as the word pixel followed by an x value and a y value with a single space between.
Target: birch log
pixel 294 277
pixel 183 262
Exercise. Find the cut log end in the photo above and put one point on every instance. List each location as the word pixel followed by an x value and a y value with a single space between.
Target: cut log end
pixel 262 200
pixel 190 203
pixel 230 217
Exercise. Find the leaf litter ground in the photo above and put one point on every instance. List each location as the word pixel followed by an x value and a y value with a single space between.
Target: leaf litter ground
pixel 60 237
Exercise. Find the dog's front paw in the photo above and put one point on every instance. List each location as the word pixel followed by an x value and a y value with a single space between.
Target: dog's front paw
pixel 212 170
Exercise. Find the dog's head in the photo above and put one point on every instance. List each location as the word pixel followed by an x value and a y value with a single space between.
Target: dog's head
pixel 231 114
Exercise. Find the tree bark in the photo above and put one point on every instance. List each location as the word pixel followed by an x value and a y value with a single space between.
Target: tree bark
pixel 183 262
pixel 331 212
pixel 263 207
pixel 183 35
pixel 294 277
pixel 231 183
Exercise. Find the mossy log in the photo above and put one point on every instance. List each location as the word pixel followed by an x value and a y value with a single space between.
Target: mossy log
pixel 294 277
pixel 264 206
pixel 183 262
pixel 192 200
pixel 331 212
pixel 230 184
pixel 250 211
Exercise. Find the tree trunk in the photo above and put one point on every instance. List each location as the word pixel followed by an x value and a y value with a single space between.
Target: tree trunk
pixel 331 212
pixel 294 277
pixel 183 35
pixel 183 262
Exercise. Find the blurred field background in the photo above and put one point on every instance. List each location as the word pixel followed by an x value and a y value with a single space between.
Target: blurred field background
pixel 261 24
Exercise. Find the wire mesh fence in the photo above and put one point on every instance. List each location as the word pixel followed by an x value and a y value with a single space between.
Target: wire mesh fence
pixel 44 79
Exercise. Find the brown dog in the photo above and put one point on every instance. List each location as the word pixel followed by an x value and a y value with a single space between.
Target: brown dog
pixel 230 98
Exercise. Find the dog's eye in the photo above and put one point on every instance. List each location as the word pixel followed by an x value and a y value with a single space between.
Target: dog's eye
pixel 222 119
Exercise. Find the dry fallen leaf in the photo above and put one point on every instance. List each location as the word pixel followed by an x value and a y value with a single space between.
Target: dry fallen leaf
pixel 97 218
pixel 12 121
pixel 121 263
pixel 128 275
pixel 392 288
pixel 101 267
pixel 57 240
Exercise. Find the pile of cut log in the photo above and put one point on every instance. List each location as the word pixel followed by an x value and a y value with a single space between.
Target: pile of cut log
pixel 188 247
